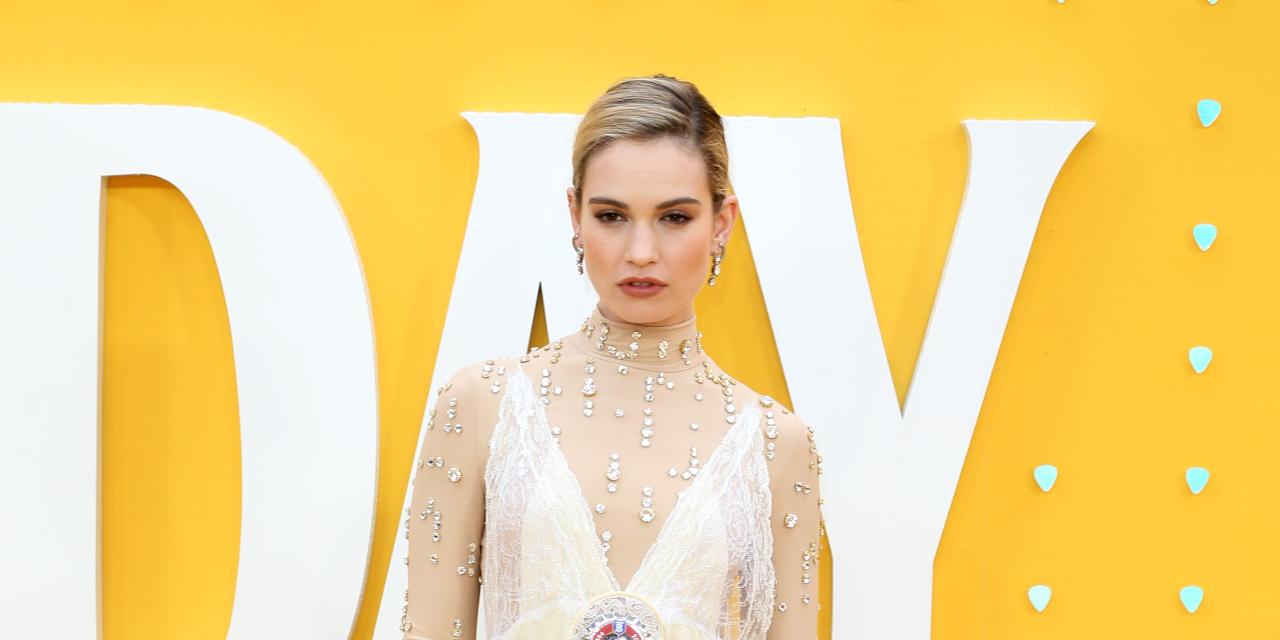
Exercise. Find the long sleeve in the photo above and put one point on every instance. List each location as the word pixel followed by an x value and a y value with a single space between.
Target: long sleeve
pixel 446 516
pixel 796 522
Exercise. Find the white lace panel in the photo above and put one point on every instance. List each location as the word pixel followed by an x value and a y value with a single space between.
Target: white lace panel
pixel 540 555
pixel 717 541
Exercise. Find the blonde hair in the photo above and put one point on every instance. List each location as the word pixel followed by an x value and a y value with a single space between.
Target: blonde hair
pixel 652 107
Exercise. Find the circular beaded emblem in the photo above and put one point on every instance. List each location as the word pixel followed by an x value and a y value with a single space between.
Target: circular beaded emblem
pixel 618 616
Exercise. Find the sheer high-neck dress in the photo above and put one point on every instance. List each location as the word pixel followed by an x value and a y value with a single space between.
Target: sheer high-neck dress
pixel 615 483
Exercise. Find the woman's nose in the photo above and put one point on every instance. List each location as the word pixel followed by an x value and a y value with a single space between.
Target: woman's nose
pixel 642 247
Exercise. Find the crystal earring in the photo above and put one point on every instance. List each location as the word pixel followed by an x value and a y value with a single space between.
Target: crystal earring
pixel 715 266
pixel 578 248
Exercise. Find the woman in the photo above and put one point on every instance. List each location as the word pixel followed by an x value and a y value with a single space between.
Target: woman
pixel 617 482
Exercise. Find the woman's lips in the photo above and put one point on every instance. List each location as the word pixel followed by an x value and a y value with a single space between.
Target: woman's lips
pixel 640 290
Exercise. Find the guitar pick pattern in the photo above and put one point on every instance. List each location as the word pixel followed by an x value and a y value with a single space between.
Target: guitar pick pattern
pixel 1208 110
pixel 1204 234
pixel 1200 357
pixel 1045 475
pixel 1197 478
pixel 1191 596
pixel 1039 596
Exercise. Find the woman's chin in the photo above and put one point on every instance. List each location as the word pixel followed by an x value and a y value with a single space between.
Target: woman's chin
pixel 642 311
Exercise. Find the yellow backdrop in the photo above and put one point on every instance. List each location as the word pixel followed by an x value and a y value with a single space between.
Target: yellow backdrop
pixel 1092 375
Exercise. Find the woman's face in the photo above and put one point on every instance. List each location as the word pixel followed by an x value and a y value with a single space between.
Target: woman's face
pixel 646 213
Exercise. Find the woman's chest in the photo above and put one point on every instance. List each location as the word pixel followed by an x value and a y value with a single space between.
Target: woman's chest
pixel 629 472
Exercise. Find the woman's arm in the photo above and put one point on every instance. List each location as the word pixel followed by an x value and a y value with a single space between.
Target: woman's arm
pixel 796 518
pixel 446 517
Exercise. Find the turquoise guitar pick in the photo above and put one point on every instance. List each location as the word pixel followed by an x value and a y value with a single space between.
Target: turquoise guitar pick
pixel 1208 110
pixel 1046 475
pixel 1197 478
pixel 1200 358
pixel 1205 234
pixel 1039 596
pixel 1191 597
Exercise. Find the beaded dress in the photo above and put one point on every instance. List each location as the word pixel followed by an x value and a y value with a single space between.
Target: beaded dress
pixel 615 483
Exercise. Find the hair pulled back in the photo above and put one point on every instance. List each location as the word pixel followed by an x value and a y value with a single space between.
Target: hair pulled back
pixel 649 108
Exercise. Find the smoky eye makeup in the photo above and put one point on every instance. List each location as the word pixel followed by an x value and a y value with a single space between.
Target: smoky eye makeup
pixel 676 216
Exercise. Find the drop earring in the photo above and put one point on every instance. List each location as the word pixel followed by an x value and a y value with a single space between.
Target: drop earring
pixel 715 266
pixel 578 248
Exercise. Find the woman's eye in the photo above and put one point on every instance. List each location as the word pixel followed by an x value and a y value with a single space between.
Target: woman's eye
pixel 678 217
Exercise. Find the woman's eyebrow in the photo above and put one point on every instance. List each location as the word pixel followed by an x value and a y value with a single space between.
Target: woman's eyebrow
pixel 662 205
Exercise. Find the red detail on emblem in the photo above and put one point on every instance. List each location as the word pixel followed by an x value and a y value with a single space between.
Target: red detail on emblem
pixel 616 630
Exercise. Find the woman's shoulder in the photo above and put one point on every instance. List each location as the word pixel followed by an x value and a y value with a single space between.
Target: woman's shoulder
pixel 481 375
pixel 790 446
pixel 778 422
pixel 470 396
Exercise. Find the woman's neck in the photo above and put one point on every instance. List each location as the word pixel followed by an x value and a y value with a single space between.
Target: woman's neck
pixel 684 316
pixel 670 347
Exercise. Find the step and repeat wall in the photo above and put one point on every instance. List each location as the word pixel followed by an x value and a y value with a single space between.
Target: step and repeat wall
pixel 1057 221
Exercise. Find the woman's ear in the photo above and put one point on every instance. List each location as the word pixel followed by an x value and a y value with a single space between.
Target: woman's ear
pixel 574 214
pixel 725 219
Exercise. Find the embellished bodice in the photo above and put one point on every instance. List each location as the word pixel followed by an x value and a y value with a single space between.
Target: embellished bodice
pixel 543 562
pixel 615 477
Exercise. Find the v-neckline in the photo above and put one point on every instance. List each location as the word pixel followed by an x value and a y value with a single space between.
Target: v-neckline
pixel 584 508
